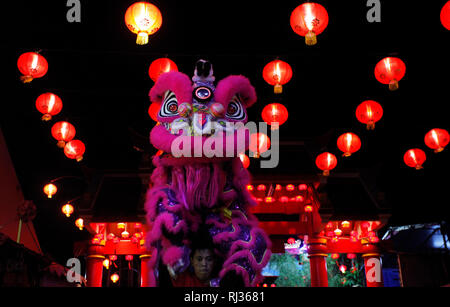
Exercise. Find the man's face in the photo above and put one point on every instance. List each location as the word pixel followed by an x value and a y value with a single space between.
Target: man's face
pixel 203 263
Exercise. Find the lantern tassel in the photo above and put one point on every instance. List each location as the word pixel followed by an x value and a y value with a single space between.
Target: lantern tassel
pixel 310 38
pixel 46 117
pixel 370 125
pixel 61 144
pixel 142 38
pixel 26 79
pixel 326 173
pixel 419 167
pixel 278 89
pixel 393 85
pixel 439 149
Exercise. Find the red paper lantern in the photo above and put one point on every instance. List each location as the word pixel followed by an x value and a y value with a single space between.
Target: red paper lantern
pixel 153 111
pixel 326 162
pixel 75 150
pixel 390 70
pixel 115 277
pixel 274 113
pixel 349 143
pixel 259 143
pixel 308 208
pixel 309 20
pixel 245 160
pixel 342 268
pixel 445 15
pixel 79 223
pixel 277 73
pixel 31 65
pixel 63 132
pixel 351 256
pixel 144 19
pixel 415 158
pixel 159 66
pixel 67 209
pixel 291 241
pixel 369 112
pixel 337 232
pixel 50 190
pixel 437 139
pixel 334 256
pixel 48 104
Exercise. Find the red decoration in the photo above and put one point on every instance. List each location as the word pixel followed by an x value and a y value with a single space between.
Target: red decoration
pixel 115 277
pixel 308 208
pixel 275 113
pixel 153 111
pixel 437 139
pixel 369 112
pixel 160 66
pixel 290 187
pixel 63 132
pixel 326 162
pixel 342 268
pixel 390 70
pixel 337 232
pixel 351 256
pixel 345 224
pixel 261 187
pixel 129 257
pixel 334 256
pixel 277 73
pixel 31 65
pixel 249 187
pixel 75 150
pixel 245 160
pixel 291 241
pixel 50 190
pixel 445 15
pixel 259 143
pixel 415 158
pixel 309 20
pixel 67 209
pixel 48 104
pixel 349 143
pixel 79 223
pixel 302 187
pixel 144 19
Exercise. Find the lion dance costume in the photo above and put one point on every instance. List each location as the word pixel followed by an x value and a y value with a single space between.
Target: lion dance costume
pixel 191 190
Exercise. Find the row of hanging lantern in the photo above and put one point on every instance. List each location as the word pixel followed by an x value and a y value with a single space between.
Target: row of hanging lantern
pixel 387 71
pixel 33 65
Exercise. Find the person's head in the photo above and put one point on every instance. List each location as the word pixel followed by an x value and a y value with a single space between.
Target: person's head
pixel 203 262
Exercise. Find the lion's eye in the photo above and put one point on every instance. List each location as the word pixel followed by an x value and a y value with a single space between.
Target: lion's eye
pixel 235 110
pixel 170 105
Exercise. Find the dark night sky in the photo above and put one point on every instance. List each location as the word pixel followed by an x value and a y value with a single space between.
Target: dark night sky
pixel 101 76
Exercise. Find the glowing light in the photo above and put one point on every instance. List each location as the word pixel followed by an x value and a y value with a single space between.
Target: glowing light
pixel 67 209
pixel 80 223
pixel 115 277
pixel 50 190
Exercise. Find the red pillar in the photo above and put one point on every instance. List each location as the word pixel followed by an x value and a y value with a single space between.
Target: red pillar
pixel 317 261
pixel 94 270
pixel 372 266
pixel 145 258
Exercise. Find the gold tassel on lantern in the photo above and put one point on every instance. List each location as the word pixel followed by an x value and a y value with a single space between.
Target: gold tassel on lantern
pixel 393 85
pixel 142 38
pixel 310 38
